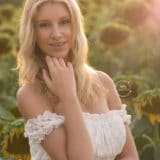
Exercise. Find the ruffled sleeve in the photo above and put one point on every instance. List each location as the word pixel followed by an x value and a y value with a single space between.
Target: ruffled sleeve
pixel 123 113
pixel 37 128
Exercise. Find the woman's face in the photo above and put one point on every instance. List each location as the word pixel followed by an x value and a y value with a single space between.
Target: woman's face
pixel 53 29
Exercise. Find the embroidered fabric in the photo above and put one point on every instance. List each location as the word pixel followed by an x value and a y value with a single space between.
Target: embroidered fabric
pixel 37 128
pixel 107 132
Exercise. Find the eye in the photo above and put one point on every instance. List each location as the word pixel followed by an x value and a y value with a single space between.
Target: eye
pixel 65 21
pixel 44 25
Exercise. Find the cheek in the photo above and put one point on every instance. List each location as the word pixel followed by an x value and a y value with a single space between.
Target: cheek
pixel 69 34
pixel 41 38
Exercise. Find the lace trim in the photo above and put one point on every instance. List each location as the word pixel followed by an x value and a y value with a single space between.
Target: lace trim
pixel 37 128
pixel 122 113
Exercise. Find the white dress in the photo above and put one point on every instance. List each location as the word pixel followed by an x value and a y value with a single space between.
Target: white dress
pixel 107 132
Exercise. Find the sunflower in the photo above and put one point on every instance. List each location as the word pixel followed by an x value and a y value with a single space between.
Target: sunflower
pixel 148 103
pixel 114 34
pixel 126 88
pixel 135 13
pixel 129 87
pixel 14 145
pixel 7 11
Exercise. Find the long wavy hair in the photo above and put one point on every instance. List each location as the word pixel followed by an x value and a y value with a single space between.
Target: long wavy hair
pixel 30 59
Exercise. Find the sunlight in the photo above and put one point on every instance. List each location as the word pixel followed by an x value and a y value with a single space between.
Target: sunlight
pixel 156 13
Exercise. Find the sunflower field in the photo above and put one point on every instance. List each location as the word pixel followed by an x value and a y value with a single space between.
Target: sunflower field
pixel 124 41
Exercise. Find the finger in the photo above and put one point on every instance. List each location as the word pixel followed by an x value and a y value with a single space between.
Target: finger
pixel 70 66
pixel 46 78
pixel 55 61
pixel 50 65
pixel 62 63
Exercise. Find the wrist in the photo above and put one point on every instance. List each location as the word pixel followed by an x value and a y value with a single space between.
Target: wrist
pixel 69 99
pixel 71 103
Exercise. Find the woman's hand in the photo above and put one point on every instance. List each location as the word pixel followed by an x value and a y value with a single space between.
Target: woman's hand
pixel 61 79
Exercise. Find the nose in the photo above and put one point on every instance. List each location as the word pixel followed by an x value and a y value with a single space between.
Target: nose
pixel 56 32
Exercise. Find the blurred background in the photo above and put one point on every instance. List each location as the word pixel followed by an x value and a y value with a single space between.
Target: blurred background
pixel 124 40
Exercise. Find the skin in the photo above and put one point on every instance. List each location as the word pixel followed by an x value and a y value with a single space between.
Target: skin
pixel 53 29
pixel 65 143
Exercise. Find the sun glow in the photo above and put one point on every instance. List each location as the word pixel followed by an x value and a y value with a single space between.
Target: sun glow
pixel 155 13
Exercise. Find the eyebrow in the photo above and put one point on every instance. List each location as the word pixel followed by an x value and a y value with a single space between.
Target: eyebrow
pixel 61 18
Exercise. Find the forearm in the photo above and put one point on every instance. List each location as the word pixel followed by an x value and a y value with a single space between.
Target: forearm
pixel 127 159
pixel 79 144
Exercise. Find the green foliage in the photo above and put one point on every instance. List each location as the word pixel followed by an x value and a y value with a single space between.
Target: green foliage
pixel 6 28
pixel 5 43
pixel 6 115
pixel 8 76
pixel 13 2
pixel 149 101
pixel 124 42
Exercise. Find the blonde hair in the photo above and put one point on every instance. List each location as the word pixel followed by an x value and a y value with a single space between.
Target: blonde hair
pixel 30 65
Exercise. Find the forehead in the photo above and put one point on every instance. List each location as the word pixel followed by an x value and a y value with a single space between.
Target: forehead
pixel 52 10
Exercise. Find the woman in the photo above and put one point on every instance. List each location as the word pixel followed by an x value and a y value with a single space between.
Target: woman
pixel 72 111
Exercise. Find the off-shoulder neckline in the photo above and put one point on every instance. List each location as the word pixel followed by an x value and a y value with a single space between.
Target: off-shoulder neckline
pixel 85 114
pixel 123 107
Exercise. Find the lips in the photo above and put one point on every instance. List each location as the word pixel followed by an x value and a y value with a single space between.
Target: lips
pixel 57 44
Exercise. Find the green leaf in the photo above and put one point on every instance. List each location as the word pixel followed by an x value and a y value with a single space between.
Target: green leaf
pixel 147 153
pixel 5 115
pixel 141 142
pixel 141 126
pixel 3 158
pixel 157 153
pixel 8 102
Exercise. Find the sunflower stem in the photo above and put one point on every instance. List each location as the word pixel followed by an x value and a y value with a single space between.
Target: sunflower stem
pixel 156 133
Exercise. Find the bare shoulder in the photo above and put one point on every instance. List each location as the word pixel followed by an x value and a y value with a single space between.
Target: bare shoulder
pixel 113 99
pixel 31 102
pixel 105 79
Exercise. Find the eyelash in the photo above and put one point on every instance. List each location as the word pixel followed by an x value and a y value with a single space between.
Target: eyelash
pixel 67 21
pixel 45 25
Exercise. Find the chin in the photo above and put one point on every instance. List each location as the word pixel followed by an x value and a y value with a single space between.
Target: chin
pixel 59 55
